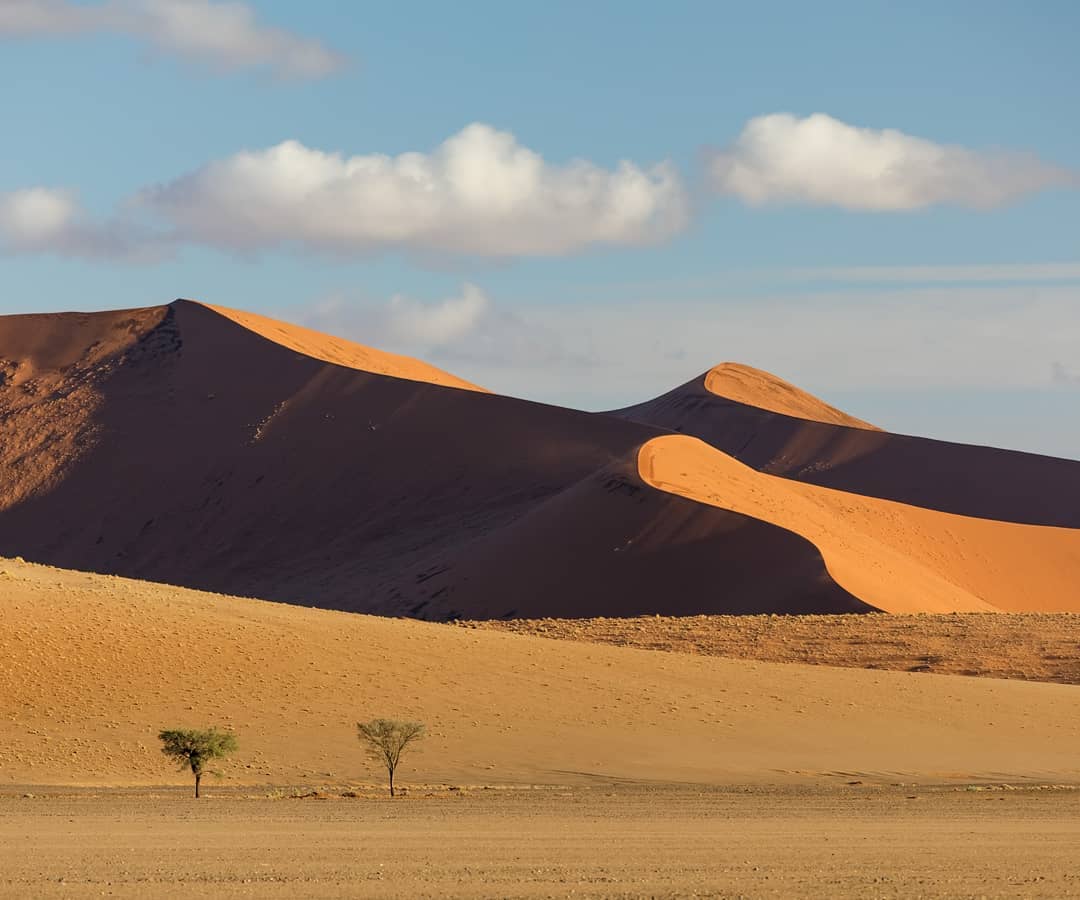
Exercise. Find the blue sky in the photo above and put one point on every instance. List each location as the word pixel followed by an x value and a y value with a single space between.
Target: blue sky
pixel 910 252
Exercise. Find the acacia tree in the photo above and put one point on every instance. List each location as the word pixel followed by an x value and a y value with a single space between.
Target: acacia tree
pixel 386 739
pixel 197 748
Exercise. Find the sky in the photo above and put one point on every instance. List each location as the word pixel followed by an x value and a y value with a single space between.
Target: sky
pixel 578 203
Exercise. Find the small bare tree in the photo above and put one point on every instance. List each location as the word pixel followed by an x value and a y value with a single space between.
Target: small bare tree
pixel 386 739
pixel 197 748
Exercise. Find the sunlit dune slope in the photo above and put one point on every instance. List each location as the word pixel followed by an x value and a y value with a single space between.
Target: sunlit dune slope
pixel 339 351
pixel 92 667
pixel 755 387
pixel 837 451
pixel 895 557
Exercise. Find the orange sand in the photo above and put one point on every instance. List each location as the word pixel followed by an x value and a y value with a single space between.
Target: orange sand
pixel 895 557
pixel 339 351
pixel 91 667
pixel 755 387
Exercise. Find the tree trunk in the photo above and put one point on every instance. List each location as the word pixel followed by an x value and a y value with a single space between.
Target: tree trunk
pixel 391 782
pixel 198 778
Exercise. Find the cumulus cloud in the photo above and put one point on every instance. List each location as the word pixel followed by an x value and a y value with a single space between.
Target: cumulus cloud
pixel 433 325
pixel 479 193
pixel 822 161
pixel 51 220
pixel 36 217
pixel 225 35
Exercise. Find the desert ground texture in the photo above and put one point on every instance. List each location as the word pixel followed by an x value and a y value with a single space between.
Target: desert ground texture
pixel 1028 646
pixel 601 840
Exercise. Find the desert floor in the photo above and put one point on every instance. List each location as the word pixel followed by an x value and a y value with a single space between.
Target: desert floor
pixel 603 840
pixel 1025 646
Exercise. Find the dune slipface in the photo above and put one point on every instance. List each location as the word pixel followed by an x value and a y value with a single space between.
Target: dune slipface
pixel 761 425
pixel 221 450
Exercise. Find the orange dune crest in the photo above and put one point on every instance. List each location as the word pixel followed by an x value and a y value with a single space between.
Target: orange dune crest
pixel 756 387
pixel 898 558
pixel 339 351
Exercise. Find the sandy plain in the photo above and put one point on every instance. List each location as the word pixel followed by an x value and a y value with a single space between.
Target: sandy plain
pixel 91 667
pixel 600 840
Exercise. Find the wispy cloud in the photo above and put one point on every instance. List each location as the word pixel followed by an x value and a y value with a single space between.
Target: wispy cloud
pixel 466 329
pixel 1021 273
pixel 1063 376
pixel 223 35
pixel 49 220
pixel 479 193
pixel 819 160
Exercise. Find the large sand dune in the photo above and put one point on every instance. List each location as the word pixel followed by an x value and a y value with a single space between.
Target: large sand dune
pixel 811 442
pixel 91 667
pixel 214 457
pixel 221 450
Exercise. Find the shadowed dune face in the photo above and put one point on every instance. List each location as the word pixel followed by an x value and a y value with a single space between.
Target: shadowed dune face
pixel 51 369
pixel 229 462
pixel 611 545
pixel 957 478
pixel 292 682
pixel 897 558
pixel 221 450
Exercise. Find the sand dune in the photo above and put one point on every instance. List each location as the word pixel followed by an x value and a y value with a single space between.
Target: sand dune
pixel 216 458
pixel 224 451
pixel 895 557
pixel 810 442
pixel 212 457
pixel 91 667
pixel 755 387
pixel 611 545
pixel 339 351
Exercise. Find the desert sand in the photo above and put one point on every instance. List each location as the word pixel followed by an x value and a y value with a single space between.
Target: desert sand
pixel 335 350
pixel 1028 646
pixel 91 667
pixel 958 478
pixel 605 840
pixel 763 390
pixel 895 557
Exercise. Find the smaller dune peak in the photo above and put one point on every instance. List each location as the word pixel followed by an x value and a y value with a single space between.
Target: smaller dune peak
pixel 756 387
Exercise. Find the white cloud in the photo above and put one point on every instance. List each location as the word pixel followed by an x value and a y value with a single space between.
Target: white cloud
pixel 819 160
pixel 433 325
pixel 51 220
pixel 479 193
pixel 36 217
pixel 466 329
pixel 225 35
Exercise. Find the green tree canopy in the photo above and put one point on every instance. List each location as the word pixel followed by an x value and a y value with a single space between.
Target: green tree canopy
pixel 197 748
